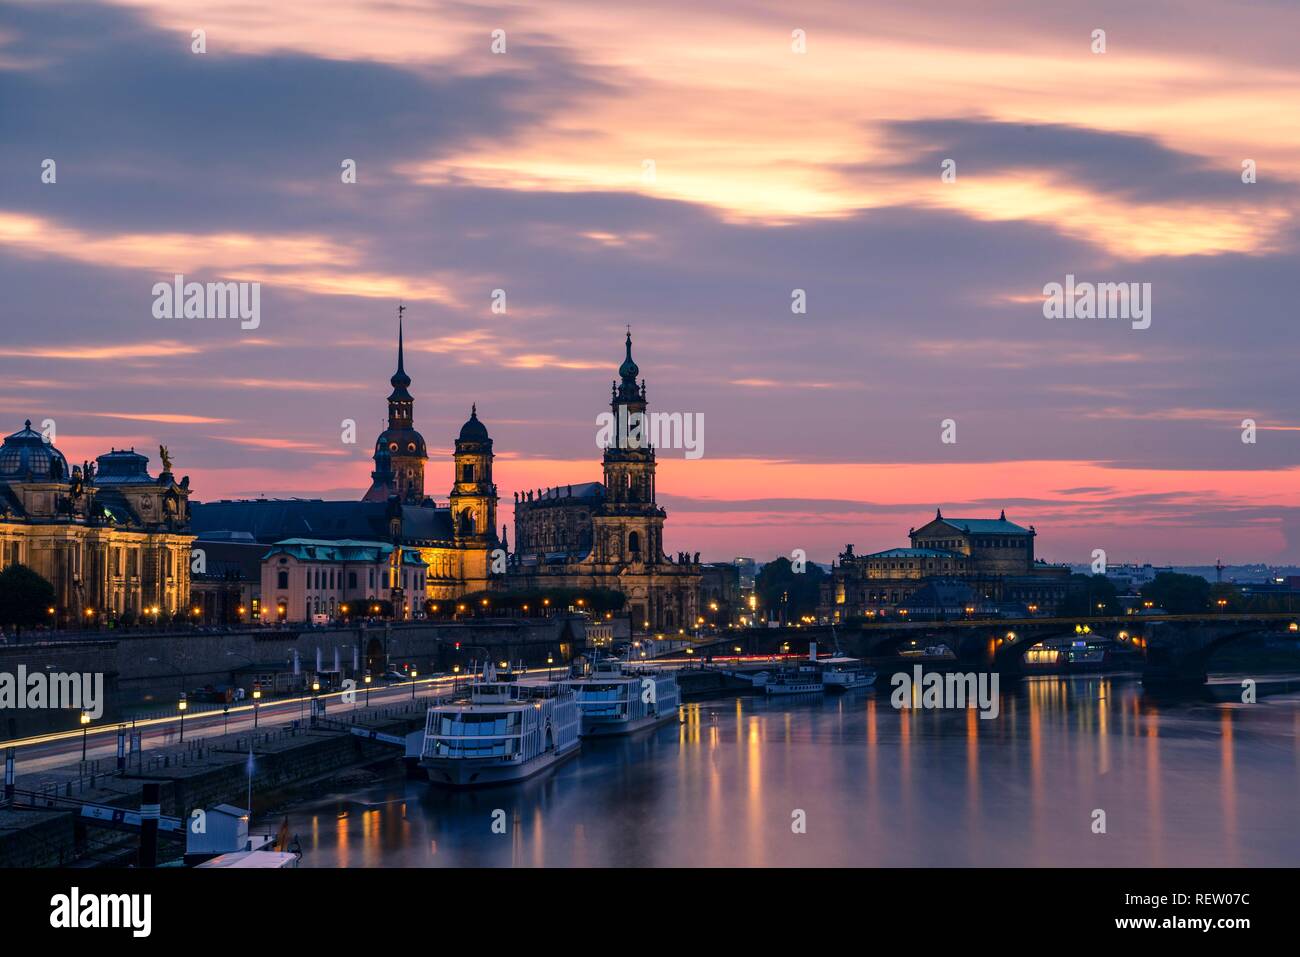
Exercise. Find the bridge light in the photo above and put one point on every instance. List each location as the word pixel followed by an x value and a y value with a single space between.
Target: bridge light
pixel 1011 636
pixel 1293 627
pixel 1122 636
pixel 1078 629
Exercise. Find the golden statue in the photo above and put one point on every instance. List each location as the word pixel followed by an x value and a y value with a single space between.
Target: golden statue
pixel 166 459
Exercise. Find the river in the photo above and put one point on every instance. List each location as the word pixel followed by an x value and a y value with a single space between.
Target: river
pixel 1183 783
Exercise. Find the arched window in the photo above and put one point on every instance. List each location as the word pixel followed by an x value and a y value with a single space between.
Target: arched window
pixel 634 543
pixel 282 580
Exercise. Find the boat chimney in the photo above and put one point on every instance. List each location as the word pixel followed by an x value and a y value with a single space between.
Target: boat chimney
pixel 812 651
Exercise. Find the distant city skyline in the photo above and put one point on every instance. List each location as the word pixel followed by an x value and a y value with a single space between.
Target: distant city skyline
pixel 770 171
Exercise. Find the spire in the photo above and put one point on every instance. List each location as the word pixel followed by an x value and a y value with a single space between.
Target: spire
pixel 400 379
pixel 627 390
pixel 937 514
pixel 1003 516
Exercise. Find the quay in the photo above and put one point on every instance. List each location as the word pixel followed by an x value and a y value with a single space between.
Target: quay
pixel 42 824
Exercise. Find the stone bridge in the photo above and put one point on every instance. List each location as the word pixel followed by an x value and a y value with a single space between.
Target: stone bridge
pixel 1175 647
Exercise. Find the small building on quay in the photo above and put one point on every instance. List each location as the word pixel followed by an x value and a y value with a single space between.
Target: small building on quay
pixel 954 567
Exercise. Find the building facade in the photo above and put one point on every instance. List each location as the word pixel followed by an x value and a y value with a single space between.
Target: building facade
pixel 987 564
pixel 113 540
pixel 303 578
pixel 609 534
pixel 457 542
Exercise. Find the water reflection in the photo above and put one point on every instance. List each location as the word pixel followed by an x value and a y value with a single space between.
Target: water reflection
pixel 1182 783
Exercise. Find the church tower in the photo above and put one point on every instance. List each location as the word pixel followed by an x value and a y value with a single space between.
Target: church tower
pixel 632 522
pixel 473 502
pixel 400 453
pixel 474 494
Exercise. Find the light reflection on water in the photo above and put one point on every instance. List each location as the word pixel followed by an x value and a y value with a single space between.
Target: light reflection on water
pixel 1183 783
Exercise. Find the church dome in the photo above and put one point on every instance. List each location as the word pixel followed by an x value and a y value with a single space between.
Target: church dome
pixel 473 430
pixel 399 441
pixel 27 453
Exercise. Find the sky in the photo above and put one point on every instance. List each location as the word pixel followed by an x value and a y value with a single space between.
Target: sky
pixel 682 169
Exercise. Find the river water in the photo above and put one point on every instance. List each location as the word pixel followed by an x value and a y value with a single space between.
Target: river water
pixel 1181 783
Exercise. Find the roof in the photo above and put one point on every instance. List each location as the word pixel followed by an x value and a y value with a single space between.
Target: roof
pixel 224 560
pixel 984 526
pixel 123 467
pixel 343 550
pixel 914 553
pixel 26 455
pixel 564 493
pixel 274 520
pixel 473 430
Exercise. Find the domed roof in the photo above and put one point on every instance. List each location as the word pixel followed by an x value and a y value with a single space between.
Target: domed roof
pixel 473 430
pixel 122 467
pixel 27 453
pixel 401 442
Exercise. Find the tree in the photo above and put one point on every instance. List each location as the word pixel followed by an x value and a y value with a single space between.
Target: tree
pixel 1178 594
pixel 1085 592
pixel 779 587
pixel 25 597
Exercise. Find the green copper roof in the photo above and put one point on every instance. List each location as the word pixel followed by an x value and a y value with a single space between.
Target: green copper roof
pixel 344 550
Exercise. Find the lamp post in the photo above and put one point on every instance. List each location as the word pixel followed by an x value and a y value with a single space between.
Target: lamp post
pixel 367 680
pixel 257 696
pixel 85 728
pixel 414 674
pixel 550 660
pixel 181 706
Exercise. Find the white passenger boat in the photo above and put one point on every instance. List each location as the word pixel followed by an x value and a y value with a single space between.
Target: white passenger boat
pixel 614 700
pixel 846 674
pixel 804 679
pixel 507 732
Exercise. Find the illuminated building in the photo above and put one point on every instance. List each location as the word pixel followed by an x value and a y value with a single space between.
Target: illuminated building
pixel 988 560
pixel 112 539
pixel 609 534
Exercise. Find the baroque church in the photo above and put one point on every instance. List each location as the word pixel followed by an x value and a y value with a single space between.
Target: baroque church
pixel 605 534
pixel 454 542
pixel 609 534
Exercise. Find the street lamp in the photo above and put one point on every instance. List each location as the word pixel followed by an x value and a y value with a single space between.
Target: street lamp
pixel 414 674
pixel 550 660
pixel 367 680
pixel 181 706
pixel 257 696
pixel 85 728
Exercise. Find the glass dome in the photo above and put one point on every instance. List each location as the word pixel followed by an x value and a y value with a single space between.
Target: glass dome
pixel 27 453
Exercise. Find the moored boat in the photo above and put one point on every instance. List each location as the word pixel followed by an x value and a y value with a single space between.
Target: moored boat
pixel 613 700
pixel 846 674
pixel 506 732
pixel 803 679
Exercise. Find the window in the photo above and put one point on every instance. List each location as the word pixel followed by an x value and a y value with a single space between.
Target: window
pixel 467 473
pixel 282 579
pixel 352 579
pixel 633 542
